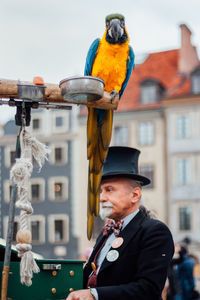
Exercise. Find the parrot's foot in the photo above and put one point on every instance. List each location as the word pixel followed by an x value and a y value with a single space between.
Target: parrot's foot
pixel 113 94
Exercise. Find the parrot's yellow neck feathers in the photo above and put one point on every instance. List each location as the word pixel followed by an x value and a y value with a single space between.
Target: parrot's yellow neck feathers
pixel 111 63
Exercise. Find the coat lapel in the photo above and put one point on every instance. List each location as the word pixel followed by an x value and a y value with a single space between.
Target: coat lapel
pixel 127 234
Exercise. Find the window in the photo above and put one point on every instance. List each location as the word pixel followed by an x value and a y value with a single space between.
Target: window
pixel 185 214
pixel 37 226
pixel 148 171
pixel 121 135
pixel 196 84
pixel 146 133
pixel 151 91
pixel 195 81
pixel 37 189
pixel 15 228
pixel 183 126
pixel 36 124
pixel 7 190
pixel 184 171
pixel 58 188
pixel 148 94
pixel 58 228
pixel 10 155
pixel 59 153
pixel 59 121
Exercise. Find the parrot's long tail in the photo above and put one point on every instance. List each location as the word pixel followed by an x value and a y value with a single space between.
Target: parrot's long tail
pixel 97 147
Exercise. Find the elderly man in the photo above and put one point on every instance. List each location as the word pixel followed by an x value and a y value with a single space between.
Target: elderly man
pixel 131 256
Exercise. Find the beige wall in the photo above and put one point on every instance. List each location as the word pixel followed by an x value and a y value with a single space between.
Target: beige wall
pixel 185 195
pixel 154 199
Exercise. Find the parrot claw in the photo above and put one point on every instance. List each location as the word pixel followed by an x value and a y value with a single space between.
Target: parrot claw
pixel 113 94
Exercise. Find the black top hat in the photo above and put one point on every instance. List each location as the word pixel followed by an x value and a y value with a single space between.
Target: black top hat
pixel 123 162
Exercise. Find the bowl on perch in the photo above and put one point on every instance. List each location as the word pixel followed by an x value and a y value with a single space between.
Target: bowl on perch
pixel 31 92
pixel 82 89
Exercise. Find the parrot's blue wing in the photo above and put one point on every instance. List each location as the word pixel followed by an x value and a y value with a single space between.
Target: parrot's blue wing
pixel 87 72
pixel 130 65
pixel 91 57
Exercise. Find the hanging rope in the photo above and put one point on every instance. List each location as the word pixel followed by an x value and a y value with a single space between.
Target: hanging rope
pixel 21 173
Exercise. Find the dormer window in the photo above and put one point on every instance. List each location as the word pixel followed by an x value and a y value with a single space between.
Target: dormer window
pixel 151 91
pixel 195 81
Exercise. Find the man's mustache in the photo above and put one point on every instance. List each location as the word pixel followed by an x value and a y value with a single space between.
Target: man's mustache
pixel 107 205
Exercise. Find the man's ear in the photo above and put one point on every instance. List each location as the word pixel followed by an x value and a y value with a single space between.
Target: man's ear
pixel 136 194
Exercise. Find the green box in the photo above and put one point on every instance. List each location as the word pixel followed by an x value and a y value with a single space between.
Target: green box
pixel 54 281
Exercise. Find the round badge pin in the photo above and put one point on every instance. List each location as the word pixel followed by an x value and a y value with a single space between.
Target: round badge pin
pixel 112 255
pixel 117 242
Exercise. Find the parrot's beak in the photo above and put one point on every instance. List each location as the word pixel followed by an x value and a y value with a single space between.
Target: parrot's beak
pixel 115 30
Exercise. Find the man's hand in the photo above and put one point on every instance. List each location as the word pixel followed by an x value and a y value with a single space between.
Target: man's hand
pixel 80 295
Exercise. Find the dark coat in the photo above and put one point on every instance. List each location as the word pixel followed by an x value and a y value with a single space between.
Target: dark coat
pixel 185 276
pixel 140 271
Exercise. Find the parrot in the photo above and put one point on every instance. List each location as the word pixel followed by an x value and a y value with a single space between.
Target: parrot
pixel 111 59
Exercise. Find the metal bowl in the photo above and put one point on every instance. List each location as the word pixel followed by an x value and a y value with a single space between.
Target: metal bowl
pixel 31 92
pixel 82 89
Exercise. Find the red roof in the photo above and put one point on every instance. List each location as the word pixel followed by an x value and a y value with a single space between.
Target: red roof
pixel 161 67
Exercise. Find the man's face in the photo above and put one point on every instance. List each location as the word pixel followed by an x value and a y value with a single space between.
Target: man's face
pixel 118 198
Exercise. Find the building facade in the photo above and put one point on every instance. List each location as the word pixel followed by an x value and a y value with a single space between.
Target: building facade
pixel 51 189
pixel 183 121
pixel 182 117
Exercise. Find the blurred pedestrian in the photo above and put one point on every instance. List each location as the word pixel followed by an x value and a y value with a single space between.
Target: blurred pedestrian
pixel 185 275
pixel 174 291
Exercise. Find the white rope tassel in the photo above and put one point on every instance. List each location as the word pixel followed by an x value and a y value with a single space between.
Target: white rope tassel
pixel 39 150
pixel 28 265
pixel 21 173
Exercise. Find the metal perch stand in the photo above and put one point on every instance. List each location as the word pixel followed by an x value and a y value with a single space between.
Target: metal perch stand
pixel 26 96
pixel 6 266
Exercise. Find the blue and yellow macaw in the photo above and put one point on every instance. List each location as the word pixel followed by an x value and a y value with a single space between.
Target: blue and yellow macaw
pixel 111 59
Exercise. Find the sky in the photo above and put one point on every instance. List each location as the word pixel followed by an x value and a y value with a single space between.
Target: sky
pixel 50 38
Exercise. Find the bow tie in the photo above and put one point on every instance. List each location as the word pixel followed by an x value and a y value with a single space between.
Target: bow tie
pixel 112 226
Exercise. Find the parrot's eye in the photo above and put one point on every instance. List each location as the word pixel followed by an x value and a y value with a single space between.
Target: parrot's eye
pixel 122 23
pixel 107 24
